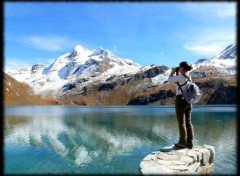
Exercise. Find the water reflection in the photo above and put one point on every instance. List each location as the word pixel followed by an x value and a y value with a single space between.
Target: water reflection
pixel 81 138
pixel 84 136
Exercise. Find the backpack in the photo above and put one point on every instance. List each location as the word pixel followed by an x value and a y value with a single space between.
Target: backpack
pixel 192 93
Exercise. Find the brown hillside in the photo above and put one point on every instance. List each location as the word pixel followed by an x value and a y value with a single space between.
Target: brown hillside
pixel 17 93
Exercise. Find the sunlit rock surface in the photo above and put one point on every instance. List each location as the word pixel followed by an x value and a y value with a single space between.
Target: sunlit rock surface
pixel 198 160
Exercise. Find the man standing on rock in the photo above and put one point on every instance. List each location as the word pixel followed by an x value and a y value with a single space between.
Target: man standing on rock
pixel 182 107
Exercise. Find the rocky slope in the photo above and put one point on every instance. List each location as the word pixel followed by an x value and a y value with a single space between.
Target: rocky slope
pixel 97 77
pixel 216 78
pixel 81 65
pixel 215 90
pixel 17 93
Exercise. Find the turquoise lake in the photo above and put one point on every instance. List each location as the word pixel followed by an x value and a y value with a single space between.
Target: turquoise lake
pixel 108 139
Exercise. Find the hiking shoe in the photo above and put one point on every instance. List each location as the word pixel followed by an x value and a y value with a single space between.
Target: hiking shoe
pixel 180 145
pixel 189 146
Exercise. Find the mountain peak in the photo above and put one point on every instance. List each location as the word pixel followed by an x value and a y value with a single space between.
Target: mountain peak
pixel 228 47
pixel 225 62
pixel 229 53
pixel 78 49
pixel 200 60
pixel 100 50
pixel 79 52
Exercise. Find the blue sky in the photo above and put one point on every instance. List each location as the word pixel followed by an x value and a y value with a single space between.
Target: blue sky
pixel 161 33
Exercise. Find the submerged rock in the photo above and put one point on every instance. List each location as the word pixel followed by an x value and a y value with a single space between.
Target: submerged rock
pixel 171 160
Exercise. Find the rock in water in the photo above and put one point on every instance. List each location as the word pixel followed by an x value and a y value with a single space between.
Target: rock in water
pixel 172 160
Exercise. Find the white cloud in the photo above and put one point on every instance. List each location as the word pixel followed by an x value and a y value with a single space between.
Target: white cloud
pixel 204 48
pixel 209 42
pixel 227 10
pixel 49 43
pixel 214 9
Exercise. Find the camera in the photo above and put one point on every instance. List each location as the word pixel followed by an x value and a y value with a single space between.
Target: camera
pixel 177 70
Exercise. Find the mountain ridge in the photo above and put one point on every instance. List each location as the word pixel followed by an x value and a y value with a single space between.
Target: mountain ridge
pixel 83 72
pixel 17 93
pixel 90 63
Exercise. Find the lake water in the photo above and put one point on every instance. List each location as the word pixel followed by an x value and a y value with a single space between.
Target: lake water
pixel 108 139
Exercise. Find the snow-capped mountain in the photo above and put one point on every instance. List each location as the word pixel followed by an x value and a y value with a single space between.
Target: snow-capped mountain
pixel 77 70
pixel 81 63
pixel 225 62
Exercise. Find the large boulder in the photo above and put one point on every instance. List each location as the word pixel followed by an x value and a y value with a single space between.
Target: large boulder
pixel 174 161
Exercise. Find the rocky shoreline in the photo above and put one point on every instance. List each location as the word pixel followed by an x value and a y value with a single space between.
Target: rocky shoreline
pixel 171 160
